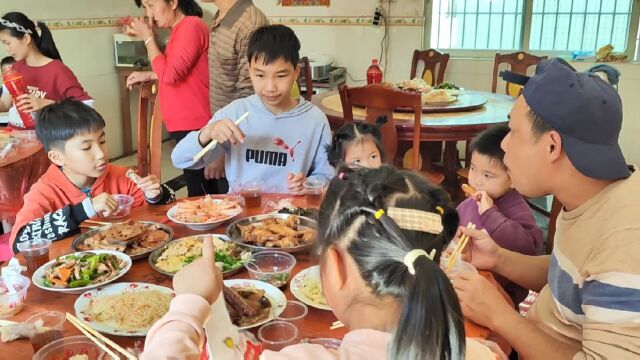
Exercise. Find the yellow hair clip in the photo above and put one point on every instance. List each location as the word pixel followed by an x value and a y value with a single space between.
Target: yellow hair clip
pixel 440 209
pixel 379 214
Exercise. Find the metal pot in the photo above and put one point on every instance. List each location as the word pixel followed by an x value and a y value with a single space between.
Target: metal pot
pixel 320 66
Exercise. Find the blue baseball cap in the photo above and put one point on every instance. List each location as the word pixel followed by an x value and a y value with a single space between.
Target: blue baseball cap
pixel 584 109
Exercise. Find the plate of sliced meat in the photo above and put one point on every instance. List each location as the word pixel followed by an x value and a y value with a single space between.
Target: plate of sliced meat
pixel 134 238
pixel 251 303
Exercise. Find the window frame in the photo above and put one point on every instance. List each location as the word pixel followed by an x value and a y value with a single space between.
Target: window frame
pixel 632 37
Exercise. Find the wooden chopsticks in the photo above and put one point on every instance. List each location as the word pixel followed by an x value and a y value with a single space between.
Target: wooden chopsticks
pixel 99 339
pixel 212 144
pixel 336 325
pixel 457 251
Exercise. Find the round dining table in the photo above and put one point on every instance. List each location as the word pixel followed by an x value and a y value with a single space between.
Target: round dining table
pixel 19 169
pixel 447 126
pixel 316 324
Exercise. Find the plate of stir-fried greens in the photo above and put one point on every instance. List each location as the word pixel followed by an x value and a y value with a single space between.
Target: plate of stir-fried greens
pixel 81 271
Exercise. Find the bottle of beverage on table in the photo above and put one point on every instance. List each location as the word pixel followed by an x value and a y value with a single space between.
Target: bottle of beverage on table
pixel 374 74
pixel 14 82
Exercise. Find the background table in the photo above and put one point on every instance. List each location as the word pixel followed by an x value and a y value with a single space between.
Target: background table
pixel 449 127
pixel 18 172
pixel 315 324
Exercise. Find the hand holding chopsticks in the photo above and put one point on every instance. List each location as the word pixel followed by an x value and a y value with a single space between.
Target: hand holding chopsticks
pixel 457 251
pixel 99 339
pixel 213 143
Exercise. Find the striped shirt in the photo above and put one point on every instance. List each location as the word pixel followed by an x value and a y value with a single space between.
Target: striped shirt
pixel 592 299
pixel 228 67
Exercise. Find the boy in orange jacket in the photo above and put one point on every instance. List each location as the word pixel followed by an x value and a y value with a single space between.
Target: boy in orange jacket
pixel 79 183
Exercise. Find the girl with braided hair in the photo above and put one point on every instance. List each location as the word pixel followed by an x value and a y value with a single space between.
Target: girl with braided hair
pixel 38 61
pixel 381 279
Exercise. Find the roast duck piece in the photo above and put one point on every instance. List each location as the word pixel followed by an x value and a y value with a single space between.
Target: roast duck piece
pixel 274 232
pixel 246 305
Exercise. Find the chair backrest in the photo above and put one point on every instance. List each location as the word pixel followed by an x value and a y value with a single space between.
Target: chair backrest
pixel 379 100
pixel 432 59
pixel 149 138
pixel 519 62
pixel 305 74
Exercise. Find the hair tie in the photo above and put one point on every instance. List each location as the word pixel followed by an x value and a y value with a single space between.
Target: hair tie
pixel 379 214
pixel 412 255
pixel 440 209
pixel 341 176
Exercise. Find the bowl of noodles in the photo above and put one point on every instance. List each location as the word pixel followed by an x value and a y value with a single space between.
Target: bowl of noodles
pixel 306 287
pixel 124 309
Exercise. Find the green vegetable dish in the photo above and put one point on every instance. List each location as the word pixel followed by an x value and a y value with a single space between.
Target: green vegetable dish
pixel 179 253
pixel 447 85
pixel 84 269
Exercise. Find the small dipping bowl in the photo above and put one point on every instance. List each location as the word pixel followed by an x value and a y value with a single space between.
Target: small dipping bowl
pixel 273 267
pixel 67 347
pixel 277 335
pixel 294 312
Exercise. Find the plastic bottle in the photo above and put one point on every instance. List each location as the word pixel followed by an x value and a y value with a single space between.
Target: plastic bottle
pixel 13 80
pixel 374 74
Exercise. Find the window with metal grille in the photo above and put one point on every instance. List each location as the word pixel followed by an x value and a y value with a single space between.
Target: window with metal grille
pixel 569 25
pixel 477 24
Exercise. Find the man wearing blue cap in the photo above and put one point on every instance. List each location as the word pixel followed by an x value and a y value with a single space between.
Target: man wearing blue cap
pixel 564 142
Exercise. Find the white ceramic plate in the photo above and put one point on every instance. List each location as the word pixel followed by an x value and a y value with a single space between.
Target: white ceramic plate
pixel 82 305
pixel 275 296
pixel 206 225
pixel 310 274
pixel 38 275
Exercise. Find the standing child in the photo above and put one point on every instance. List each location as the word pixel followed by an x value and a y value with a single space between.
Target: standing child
pixel 381 279
pixel 283 141
pixel 357 144
pixel 496 207
pixel 79 183
pixel 38 61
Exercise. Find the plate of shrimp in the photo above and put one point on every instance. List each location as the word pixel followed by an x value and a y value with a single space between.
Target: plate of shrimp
pixel 206 213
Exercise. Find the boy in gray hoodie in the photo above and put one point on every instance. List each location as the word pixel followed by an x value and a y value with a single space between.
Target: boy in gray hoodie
pixel 283 141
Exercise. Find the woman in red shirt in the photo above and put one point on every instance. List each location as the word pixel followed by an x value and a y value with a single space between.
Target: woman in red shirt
pixel 182 72
pixel 39 62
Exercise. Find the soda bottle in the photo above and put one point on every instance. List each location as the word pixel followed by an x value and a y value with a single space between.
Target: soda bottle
pixel 374 74
pixel 13 80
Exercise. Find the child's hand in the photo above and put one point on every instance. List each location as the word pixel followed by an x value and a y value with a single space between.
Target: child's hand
pixel 150 186
pixel 484 201
pixel 221 131
pixel 28 103
pixel 202 277
pixel 295 182
pixel 104 204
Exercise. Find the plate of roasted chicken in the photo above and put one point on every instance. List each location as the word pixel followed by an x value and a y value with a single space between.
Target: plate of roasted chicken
pixel 251 303
pixel 290 233
pixel 134 238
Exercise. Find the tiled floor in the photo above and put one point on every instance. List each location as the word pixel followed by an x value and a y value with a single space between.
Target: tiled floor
pixel 168 171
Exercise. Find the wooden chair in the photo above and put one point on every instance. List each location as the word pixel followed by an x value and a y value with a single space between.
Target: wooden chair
pixel 308 81
pixel 552 214
pixel 149 138
pixel 432 59
pixel 519 62
pixel 380 100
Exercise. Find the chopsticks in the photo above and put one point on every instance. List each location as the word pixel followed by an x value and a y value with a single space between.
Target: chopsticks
pixel 102 223
pixel 99 339
pixel 212 144
pixel 336 325
pixel 457 251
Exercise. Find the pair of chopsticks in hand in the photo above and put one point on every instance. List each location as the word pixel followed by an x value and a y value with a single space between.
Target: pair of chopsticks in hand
pixel 457 251
pixel 212 144
pixel 99 339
